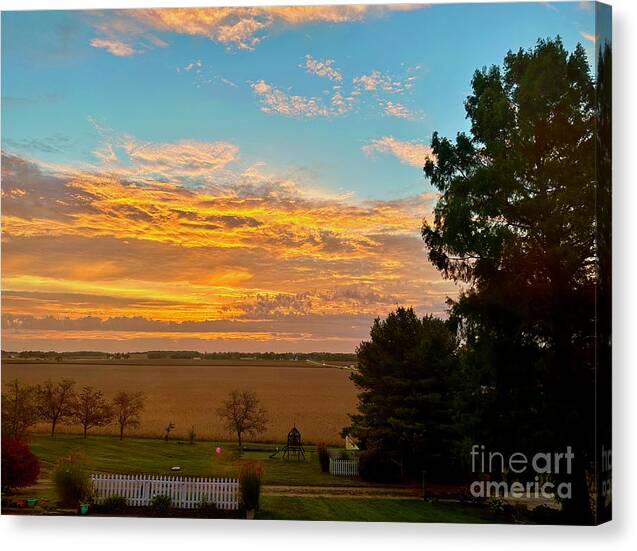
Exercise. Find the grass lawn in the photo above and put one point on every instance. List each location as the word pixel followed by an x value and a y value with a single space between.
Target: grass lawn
pixel 374 510
pixel 156 456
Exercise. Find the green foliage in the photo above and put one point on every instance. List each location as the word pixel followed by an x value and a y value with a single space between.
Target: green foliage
pixel 113 504
pixel 376 466
pixel 72 481
pixel 496 505
pixel 407 374
pixel 208 509
pixel 250 474
pixel 323 457
pixel 517 222
pixel 161 504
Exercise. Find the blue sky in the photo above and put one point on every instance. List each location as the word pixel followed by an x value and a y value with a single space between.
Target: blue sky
pixel 234 179
pixel 54 80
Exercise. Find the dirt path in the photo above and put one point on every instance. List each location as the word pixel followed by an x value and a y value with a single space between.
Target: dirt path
pixel 342 491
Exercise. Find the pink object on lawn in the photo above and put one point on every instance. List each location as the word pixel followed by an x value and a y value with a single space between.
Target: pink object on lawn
pixel 218 450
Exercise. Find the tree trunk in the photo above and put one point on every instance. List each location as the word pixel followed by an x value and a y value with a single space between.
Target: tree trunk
pixel 85 429
pixel 577 510
pixel 53 422
pixel 121 432
pixel 239 437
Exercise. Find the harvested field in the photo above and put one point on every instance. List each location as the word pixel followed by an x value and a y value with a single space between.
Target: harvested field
pixel 317 399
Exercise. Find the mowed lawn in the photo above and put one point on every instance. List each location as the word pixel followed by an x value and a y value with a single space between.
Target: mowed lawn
pixel 368 510
pixel 157 456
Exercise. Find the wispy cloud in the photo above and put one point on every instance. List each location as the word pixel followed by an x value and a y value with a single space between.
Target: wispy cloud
pixel 398 110
pixel 322 68
pixel 115 47
pixel 378 81
pixel 590 37
pixel 407 152
pixel 274 100
pixel 243 28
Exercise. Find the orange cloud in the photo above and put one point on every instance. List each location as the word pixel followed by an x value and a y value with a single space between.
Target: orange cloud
pixel 274 100
pixel 322 68
pixel 241 27
pixel 590 37
pixel 396 109
pixel 259 256
pixel 114 47
pixel 407 152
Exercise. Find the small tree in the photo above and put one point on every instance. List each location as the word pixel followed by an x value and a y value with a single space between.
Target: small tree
pixel 242 414
pixel 20 467
pixel 55 401
pixel 19 409
pixel 127 406
pixel 171 426
pixel 90 409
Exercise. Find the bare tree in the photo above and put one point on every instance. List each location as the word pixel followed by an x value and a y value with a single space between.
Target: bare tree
pixel 55 401
pixel 19 409
pixel 127 407
pixel 242 414
pixel 90 409
pixel 167 430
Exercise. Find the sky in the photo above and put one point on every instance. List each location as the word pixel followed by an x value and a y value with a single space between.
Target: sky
pixel 234 179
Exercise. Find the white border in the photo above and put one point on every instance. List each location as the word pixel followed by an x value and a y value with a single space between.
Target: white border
pixel 94 534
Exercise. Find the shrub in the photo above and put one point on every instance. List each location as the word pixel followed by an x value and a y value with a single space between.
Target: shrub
pixel 114 504
pixel 161 503
pixel 72 481
pixel 20 467
pixel 542 514
pixel 324 457
pixel 496 505
pixel 250 484
pixel 207 509
pixel 375 466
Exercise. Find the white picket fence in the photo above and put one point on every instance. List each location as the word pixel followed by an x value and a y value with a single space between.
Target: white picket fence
pixel 344 467
pixel 186 493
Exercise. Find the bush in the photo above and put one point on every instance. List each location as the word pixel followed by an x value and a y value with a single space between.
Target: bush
pixel 250 484
pixel 161 503
pixel 20 467
pixel 375 466
pixel 207 509
pixel 324 457
pixel 114 504
pixel 542 514
pixel 72 481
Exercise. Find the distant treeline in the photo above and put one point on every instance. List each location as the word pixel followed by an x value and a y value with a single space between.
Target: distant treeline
pixel 183 355
pixel 290 356
pixel 53 355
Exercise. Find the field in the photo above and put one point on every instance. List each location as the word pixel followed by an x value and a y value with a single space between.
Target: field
pixel 317 399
